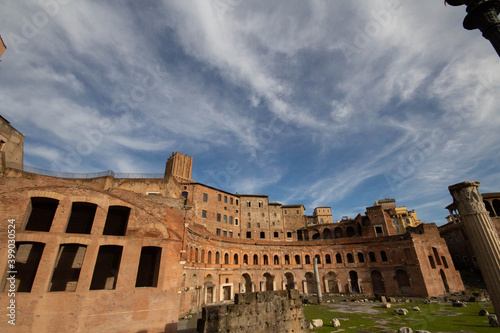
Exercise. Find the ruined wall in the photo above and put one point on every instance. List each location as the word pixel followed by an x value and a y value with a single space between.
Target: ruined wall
pixel 11 145
pixel 272 312
pixel 121 272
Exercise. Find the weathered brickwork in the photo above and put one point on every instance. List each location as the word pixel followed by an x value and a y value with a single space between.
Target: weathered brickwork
pixel 110 254
pixel 266 312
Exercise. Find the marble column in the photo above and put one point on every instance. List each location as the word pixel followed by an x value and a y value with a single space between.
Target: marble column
pixel 316 277
pixel 482 235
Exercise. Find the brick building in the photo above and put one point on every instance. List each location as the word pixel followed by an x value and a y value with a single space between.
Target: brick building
pixel 133 254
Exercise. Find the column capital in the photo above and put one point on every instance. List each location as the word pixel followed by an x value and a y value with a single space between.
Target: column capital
pixel 467 198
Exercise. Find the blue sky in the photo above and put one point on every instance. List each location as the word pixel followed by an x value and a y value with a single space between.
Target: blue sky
pixel 324 103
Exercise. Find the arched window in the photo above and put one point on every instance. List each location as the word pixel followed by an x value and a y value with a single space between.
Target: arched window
pixel 245 259
pixel 318 258
pixel 350 258
pixel 287 259
pixel 361 257
pixel 371 255
pixel 255 259
pixel 276 260
pixel 235 259
pixel 328 259
pixel 217 258
pixel 209 259
pixel 202 260
pixel 226 259
pixel 338 258
pixel 308 259
pixel 297 259
pixel 383 255
pixel 266 260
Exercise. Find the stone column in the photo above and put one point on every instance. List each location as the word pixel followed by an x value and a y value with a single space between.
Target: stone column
pixel 482 15
pixel 316 277
pixel 482 235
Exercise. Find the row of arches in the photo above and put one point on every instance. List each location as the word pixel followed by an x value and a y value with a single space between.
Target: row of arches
pixel 493 207
pixel 379 283
pixel 331 233
pixel 219 257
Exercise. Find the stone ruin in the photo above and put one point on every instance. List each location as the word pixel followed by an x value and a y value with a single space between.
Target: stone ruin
pixel 268 311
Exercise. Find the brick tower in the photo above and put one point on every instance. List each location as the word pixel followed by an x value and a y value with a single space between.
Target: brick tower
pixel 180 166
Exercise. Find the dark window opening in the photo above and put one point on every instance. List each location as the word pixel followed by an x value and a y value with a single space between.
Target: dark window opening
pixel 276 260
pixel 116 221
pixel 42 214
pixel 361 257
pixel 445 263
pixel 245 259
pixel 318 258
pixel 328 259
pixel 338 258
pixel 262 234
pixel 67 268
pixel 106 267
pixel 255 259
pixel 184 194
pixel 266 260
pixel 371 255
pixel 436 255
pixel 149 267
pixel 287 259
pixel 308 259
pixel 297 259
pixel 431 261
pixel 289 235
pixel 383 256
pixel 276 234
pixel 82 218
pixel 249 234
pixel 350 258
pixel 28 257
pixel 235 259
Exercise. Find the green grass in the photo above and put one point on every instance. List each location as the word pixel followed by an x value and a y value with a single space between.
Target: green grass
pixel 430 318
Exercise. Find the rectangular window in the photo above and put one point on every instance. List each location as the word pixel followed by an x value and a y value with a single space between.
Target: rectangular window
pixel 249 234
pixel 218 217
pixel 258 225
pixel 217 232
pixel 67 268
pixel 230 220
pixel 149 267
pixel 231 201
pixel 42 214
pixel 224 233
pixel 219 197
pixel 263 215
pixel 204 214
pixel 225 218
pixel 106 267
pixel 276 234
pixel 116 221
pixel 285 211
pixel 289 235
pixel 297 211
pixel 249 204
pixel 431 261
pixel 225 198
pixel 235 221
pixel 249 225
pixel 261 204
pixel 205 197
pixel 28 257
pixel 82 218
pixel 230 234
pixel 262 234
pixel 237 202
pixel 274 214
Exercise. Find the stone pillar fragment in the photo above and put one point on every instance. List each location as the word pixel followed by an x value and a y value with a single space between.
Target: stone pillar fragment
pixel 316 277
pixel 482 235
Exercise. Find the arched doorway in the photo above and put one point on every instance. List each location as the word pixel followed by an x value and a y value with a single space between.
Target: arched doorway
pixel 269 279
pixel 349 232
pixel 353 277
pixel 377 283
pixel 445 281
pixel 311 285
pixel 316 234
pixel 209 288
pixel 247 281
pixel 331 283
pixel 403 281
pixel 327 234
pixel 290 281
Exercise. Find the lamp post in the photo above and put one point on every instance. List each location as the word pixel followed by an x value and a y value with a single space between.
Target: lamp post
pixel 482 15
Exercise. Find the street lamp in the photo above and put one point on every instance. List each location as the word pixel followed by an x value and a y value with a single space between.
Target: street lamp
pixel 482 15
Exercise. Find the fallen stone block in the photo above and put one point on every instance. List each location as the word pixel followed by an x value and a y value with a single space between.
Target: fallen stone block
pixel 316 323
pixel 493 320
pixel 335 322
pixel 405 330
pixel 483 312
pixel 400 312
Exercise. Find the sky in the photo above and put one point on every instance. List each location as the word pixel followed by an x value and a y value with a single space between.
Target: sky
pixel 321 103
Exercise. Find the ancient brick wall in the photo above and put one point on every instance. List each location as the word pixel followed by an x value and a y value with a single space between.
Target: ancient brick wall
pixel 267 312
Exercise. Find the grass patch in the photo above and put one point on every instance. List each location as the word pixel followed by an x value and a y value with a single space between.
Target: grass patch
pixel 434 317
